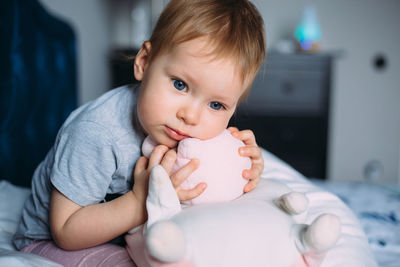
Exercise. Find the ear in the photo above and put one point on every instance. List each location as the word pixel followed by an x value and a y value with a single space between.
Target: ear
pixel 142 60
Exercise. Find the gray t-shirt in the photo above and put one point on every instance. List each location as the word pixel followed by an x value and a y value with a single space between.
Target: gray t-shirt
pixel 94 155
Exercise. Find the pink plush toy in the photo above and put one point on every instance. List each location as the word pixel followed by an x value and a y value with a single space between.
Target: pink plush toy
pixel 221 166
pixel 260 228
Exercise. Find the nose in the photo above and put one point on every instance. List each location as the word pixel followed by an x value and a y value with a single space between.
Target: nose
pixel 189 113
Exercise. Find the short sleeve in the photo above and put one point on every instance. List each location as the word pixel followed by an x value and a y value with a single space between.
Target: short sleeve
pixel 84 162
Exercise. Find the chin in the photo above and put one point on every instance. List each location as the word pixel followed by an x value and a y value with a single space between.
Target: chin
pixel 166 141
pixel 173 144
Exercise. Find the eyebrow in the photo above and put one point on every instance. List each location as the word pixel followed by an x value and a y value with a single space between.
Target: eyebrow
pixel 183 74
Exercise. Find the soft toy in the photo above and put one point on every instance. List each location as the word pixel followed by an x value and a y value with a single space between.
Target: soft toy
pixel 220 167
pixel 260 228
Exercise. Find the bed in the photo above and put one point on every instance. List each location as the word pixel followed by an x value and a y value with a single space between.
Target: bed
pixel 376 208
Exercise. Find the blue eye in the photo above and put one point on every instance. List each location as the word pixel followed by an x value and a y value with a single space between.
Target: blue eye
pixel 179 85
pixel 216 105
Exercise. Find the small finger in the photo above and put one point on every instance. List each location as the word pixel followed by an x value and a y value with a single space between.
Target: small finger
pixel 247 174
pixel 233 129
pixel 250 186
pixel 168 161
pixel 192 193
pixel 257 168
pixel 157 155
pixel 253 173
pixel 178 177
pixel 141 165
pixel 250 151
pixel 247 136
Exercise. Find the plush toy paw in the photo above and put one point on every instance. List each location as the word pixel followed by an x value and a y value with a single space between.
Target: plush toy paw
pixel 162 202
pixel 292 203
pixel 165 241
pixel 322 233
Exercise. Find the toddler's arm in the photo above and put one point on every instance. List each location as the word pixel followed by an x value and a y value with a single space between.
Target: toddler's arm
pixel 74 227
pixel 254 152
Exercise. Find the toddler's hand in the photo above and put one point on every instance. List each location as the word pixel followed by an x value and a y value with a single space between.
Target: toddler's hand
pixel 166 158
pixel 254 152
pixel 145 165
pixel 181 175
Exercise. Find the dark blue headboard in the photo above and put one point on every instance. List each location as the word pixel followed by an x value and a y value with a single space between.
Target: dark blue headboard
pixel 38 85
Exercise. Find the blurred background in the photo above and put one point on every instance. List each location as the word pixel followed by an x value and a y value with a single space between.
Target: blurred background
pixel 328 96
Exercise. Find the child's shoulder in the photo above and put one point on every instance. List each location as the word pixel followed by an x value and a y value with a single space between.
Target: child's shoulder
pixel 112 110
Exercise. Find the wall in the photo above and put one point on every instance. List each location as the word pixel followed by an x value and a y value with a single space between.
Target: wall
pixel 366 102
pixel 100 25
pixel 90 19
pixel 365 118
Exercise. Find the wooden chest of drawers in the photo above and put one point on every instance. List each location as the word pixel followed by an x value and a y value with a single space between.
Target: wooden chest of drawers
pixel 288 110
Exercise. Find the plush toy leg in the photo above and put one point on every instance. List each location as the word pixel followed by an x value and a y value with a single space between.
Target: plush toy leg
pixel 165 241
pixel 292 203
pixel 162 201
pixel 137 247
pixel 320 235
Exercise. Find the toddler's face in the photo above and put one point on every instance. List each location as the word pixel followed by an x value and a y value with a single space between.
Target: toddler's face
pixel 186 93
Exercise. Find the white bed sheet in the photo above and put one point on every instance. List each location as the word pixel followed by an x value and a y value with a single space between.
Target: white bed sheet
pixel 378 210
pixel 352 248
pixel 12 199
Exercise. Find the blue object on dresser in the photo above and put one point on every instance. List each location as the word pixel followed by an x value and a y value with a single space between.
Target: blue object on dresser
pixel 38 85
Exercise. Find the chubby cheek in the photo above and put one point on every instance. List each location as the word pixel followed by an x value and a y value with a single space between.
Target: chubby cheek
pixel 145 113
pixel 142 119
pixel 213 127
pixel 217 125
pixel 152 116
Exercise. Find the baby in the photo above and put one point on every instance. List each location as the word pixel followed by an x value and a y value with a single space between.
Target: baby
pixel 197 66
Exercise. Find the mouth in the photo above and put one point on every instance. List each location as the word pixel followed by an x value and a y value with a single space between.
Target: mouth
pixel 175 134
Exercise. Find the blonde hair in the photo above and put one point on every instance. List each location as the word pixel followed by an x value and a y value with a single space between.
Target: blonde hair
pixel 234 28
